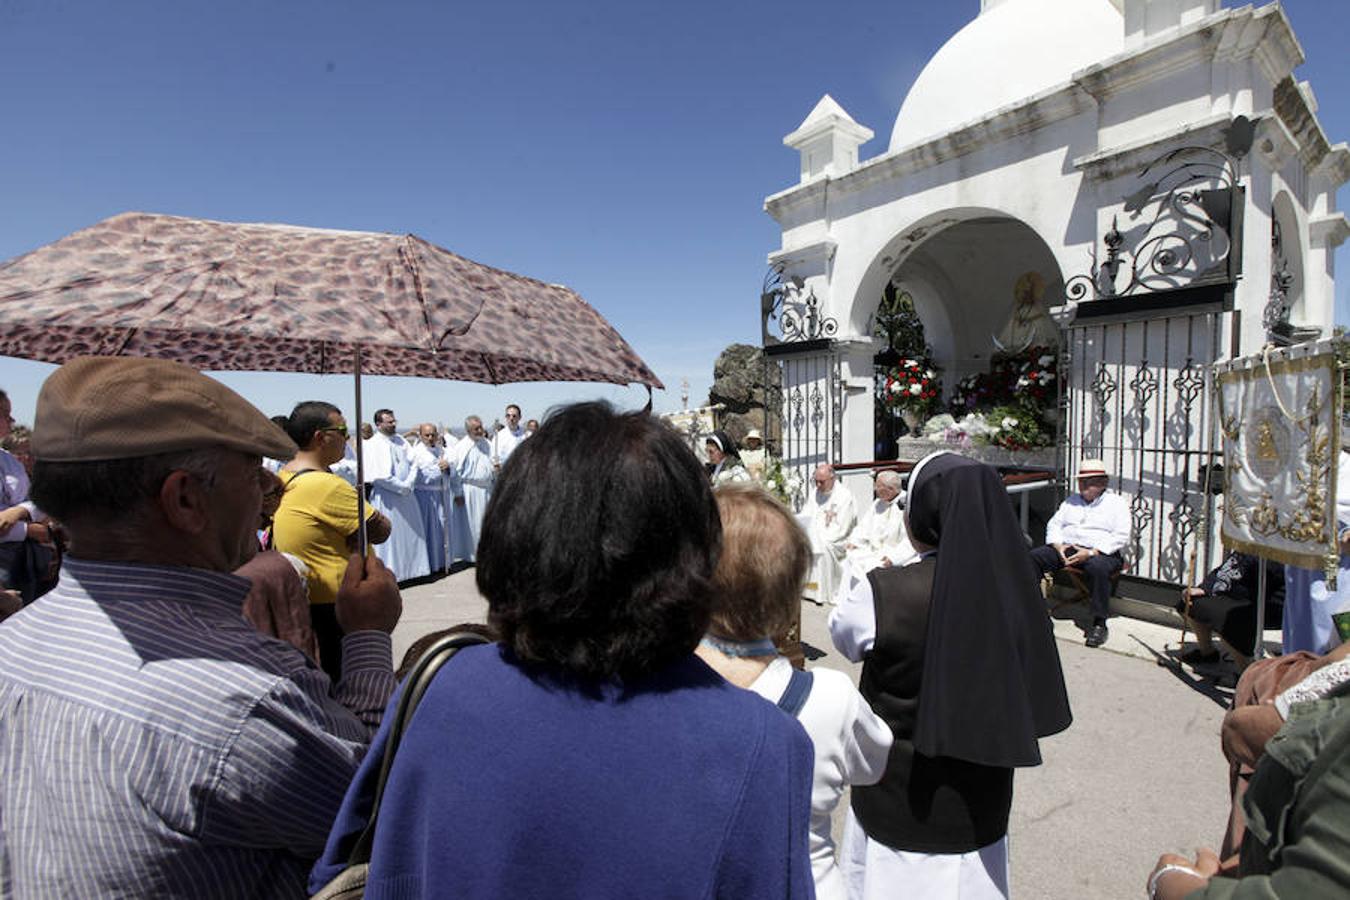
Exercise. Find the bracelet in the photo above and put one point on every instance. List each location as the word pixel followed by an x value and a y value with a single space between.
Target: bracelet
pixel 1157 877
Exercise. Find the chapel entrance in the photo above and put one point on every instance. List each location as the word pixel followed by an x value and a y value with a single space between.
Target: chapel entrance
pixel 969 304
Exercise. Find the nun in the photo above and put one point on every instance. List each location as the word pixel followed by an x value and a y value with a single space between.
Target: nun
pixel 727 467
pixel 965 671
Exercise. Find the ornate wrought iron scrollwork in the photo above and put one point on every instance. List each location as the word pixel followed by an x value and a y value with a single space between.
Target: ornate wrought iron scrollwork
pixel 1141 517
pixel 798 419
pixel 817 408
pixel 1144 386
pixel 1184 217
pixel 796 309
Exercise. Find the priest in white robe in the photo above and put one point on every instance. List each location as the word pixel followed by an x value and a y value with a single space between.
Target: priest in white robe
pixel 881 538
pixel 474 470
pixel 508 437
pixel 390 474
pixel 432 489
pixel 831 513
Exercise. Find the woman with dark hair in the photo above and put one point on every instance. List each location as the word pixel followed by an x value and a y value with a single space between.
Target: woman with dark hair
pixel 765 558
pixel 589 753
pixel 725 459
pixel 963 667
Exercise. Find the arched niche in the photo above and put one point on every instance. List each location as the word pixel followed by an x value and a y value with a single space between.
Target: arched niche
pixel 961 268
pixel 1286 255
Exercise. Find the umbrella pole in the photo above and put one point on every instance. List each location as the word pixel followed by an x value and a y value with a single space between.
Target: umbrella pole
pixel 361 541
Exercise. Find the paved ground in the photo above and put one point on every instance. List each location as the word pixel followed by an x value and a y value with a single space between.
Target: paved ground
pixel 1137 774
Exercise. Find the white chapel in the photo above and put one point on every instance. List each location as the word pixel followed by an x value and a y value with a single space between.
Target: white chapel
pixel 1146 177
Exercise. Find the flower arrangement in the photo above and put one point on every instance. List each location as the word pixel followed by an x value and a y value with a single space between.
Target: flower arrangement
pixel 913 385
pixel 1015 427
pixel 784 483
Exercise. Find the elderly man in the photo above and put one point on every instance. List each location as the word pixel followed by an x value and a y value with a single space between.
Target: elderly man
pixel 881 539
pixel 432 487
pixel 153 742
pixel 508 437
pixel 472 465
pixel 1089 530
pixel 390 473
pixel 831 516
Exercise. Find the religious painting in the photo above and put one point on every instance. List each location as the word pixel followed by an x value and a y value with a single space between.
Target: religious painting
pixel 1280 423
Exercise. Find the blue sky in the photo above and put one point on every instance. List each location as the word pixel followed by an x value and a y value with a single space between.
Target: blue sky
pixel 622 148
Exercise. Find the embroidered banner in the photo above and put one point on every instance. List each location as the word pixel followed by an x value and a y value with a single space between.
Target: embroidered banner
pixel 1281 438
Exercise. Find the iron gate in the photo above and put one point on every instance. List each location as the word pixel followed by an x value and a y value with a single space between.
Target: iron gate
pixel 1139 396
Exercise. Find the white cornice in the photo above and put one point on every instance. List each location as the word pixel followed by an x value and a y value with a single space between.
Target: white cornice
pixel 1106 164
pixel 1328 231
pixel 1334 169
pixel 805 255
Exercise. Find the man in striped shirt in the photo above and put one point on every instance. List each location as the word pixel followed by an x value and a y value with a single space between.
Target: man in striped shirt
pixel 153 744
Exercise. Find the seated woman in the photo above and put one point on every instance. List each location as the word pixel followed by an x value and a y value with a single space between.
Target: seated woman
pixel 725 459
pixel 765 557
pixel 1225 602
pixel 590 753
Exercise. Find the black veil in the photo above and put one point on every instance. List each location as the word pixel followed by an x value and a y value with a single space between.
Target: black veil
pixel 992 683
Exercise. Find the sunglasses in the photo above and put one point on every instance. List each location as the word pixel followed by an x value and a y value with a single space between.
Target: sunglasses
pixel 340 429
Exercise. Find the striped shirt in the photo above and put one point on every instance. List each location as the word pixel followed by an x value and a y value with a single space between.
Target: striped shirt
pixel 153 744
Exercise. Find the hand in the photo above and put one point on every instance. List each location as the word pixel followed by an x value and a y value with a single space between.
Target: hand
pixel 1063 557
pixel 1079 556
pixel 443 464
pixel 1191 593
pixel 39 532
pixel 1179 884
pixel 10 603
pixel 11 517
pixel 368 598
pixel 886 562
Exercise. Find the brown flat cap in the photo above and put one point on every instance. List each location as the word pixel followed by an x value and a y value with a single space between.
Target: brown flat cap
pixel 124 407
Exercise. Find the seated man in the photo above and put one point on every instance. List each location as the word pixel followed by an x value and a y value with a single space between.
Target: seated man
pixel 1089 530
pixel 1225 602
pixel 830 515
pixel 154 742
pixel 881 539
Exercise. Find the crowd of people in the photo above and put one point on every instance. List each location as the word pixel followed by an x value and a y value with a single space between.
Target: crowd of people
pixel 177 720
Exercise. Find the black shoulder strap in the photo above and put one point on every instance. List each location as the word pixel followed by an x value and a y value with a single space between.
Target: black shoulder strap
pixel 296 474
pixel 798 689
pixel 414 687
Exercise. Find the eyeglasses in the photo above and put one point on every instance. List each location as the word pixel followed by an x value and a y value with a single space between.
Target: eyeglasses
pixel 340 429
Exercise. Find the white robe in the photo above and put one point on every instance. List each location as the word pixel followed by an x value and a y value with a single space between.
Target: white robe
pixel 881 534
pixel 390 473
pixel 832 517
pixel 505 442
pixel 432 489
pixel 472 464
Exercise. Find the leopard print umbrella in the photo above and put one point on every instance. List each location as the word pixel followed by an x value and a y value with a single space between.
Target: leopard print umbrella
pixel 280 298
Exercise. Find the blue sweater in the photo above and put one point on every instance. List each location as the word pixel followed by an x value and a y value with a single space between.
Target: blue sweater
pixel 514 783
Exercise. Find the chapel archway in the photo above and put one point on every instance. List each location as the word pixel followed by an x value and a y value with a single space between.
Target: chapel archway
pixel 981 285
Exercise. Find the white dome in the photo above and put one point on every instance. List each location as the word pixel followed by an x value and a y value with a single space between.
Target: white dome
pixel 1010 52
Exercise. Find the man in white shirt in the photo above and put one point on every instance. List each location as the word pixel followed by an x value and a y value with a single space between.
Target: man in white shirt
pixel 390 474
pixel 471 462
pixel 508 437
pixel 1088 531
pixel 880 538
pixel 832 515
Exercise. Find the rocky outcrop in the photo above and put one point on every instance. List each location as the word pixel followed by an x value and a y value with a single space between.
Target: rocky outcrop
pixel 744 386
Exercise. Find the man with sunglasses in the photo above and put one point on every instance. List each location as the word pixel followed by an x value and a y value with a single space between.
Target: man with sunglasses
pixel 317 519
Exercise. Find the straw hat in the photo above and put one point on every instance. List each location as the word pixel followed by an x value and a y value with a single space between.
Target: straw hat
pixel 1092 468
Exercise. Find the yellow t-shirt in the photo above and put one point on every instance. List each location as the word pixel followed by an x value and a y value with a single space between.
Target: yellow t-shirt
pixel 317 513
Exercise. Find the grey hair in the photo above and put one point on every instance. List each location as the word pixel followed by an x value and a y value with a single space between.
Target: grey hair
pixel 467 421
pixel 890 478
